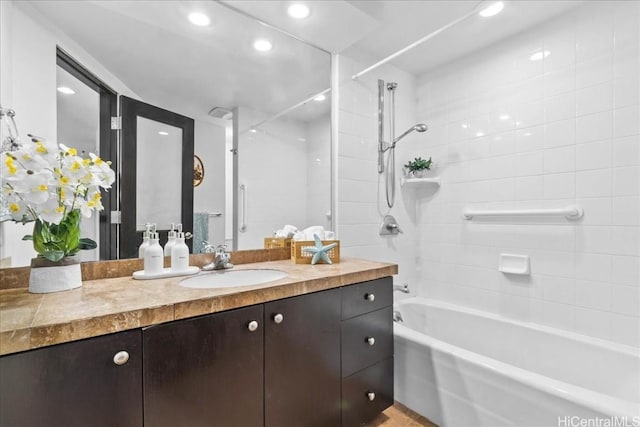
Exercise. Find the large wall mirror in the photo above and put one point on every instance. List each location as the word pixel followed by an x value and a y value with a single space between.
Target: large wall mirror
pixel 260 111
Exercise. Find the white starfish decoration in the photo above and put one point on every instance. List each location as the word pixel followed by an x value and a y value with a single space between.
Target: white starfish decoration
pixel 320 252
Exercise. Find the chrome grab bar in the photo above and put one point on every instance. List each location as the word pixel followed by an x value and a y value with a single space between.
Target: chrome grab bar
pixel 571 212
pixel 243 226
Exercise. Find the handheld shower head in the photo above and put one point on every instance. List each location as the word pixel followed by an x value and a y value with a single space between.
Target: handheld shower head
pixel 420 127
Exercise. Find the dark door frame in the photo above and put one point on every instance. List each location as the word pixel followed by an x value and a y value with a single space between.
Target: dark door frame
pixel 130 110
pixel 108 147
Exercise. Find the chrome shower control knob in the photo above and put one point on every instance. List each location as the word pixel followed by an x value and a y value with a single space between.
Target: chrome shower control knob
pixel 371 395
pixel 253 325
pixel 121 358
pixel 370 297
pixel 278 318
pixel 371 340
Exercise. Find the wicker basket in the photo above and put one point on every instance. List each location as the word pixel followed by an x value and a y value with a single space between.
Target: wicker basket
pixel 300 257
pixel 276 242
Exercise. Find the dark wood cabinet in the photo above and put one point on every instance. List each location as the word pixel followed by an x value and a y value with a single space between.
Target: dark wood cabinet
pixel 302 361
pixel 367 350
pixel 205 371
pixel 74 384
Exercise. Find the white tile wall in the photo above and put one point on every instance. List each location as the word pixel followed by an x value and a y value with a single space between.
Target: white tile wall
pixel 361 198
pixel 562 130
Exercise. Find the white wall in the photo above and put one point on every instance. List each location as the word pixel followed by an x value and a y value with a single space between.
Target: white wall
pixel 273 166
pixel 571 136
pixel 209 196
pixel 361 199
pixel 319 172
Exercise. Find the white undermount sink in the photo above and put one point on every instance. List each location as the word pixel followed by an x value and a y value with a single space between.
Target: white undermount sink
pixel 232 278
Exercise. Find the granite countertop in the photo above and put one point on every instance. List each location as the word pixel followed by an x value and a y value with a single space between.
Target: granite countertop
pixel 104 306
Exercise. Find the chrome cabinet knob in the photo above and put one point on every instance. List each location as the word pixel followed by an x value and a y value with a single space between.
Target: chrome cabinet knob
pixel 371 395
pixel 253 325
pixel 278 318
pixel 370 297
pixel 371 340
pixel 121 358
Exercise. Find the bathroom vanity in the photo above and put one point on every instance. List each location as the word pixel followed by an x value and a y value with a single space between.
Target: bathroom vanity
pixel 313 349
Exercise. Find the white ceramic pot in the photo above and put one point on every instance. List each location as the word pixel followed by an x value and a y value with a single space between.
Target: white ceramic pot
pixel 47 276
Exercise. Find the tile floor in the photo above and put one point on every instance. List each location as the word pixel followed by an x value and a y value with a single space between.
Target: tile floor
pixel 399 415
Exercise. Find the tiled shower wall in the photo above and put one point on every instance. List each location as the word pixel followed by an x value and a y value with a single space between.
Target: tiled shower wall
pixel 510 132
pixel 360 191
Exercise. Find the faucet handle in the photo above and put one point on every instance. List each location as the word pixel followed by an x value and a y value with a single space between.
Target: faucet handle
pixel 207 247
pixel 221 248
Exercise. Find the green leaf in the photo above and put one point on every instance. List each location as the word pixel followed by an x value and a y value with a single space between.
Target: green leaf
pixel 87 244
pixel 53 255
pixel 27 237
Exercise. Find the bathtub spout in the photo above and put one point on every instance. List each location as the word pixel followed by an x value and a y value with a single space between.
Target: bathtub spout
pixel 401 288
pixel 397 317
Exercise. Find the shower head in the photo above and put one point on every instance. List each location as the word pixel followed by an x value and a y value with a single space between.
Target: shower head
pixel 420 127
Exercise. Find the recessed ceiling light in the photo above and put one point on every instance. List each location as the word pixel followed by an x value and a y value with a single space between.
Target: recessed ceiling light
pixel 539 55
pixel 262 45
pixel 163 133
pixel 504 117
pixel 252 130
pixel 66 90
pixel 320 98
pixel 464 126
pixel 298 11
pixel 479 134
pixel 492 10
pixel 199 19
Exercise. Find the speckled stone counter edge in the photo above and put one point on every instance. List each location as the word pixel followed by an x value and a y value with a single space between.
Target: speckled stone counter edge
pixel 31 321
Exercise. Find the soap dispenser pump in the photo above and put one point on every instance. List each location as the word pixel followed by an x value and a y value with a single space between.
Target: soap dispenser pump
pixel 179 253
pixel 153 254
pixel 145 240
pixel 171 239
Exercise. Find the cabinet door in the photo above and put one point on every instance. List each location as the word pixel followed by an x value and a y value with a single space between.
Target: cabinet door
pixel 74 384
pixel 205 371
pixel 302 361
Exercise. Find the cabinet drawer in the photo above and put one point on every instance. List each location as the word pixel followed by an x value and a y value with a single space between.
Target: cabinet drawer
pixel 366 296
pixel 357 351
pixel 358 406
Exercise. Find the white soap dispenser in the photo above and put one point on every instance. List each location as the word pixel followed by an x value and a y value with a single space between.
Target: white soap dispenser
pixel 145 240
pixel 179 253
pixel 153 255
pixel 171 239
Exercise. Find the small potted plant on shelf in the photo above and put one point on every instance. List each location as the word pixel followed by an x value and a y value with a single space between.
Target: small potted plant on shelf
pixel 418 167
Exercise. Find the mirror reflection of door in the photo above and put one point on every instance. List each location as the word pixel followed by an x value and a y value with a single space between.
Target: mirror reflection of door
pixel 84 109
pixel 156 184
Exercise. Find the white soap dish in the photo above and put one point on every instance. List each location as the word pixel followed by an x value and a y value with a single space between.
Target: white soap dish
pixel 515 264
pixel 166 272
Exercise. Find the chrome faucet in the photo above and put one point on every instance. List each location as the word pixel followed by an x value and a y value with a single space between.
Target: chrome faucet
pixel 220 257
pixel 397 316
pixel 401 288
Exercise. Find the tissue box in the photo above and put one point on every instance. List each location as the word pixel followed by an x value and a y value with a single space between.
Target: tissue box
pixel 300 257
pixel 276 242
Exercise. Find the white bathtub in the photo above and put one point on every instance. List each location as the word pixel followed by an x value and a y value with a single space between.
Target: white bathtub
pixel 464 368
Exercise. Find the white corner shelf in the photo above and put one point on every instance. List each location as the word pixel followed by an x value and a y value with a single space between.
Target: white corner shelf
pixel 419 182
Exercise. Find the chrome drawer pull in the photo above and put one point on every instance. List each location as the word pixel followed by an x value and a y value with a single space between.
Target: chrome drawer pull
pixel 278 318
pixel 370 297
pixel 371 395
pixel 253 326
pixel 371 340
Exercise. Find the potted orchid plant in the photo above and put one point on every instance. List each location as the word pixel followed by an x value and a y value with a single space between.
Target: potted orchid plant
pixel 53 187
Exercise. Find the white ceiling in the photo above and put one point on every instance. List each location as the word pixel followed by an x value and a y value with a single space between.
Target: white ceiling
pixel 159 55
pixel 370 30
pixel 164 59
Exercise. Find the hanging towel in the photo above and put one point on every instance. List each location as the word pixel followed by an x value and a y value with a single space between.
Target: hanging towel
pixel 200 231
